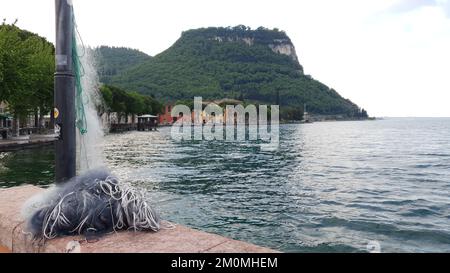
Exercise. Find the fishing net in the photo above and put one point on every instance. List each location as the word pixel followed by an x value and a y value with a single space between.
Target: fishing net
pixel 92 204
pixel 79 72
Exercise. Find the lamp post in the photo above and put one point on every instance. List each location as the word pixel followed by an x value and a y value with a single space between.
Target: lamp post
pixel 64 112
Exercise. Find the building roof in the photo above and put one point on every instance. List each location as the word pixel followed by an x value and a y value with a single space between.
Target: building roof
pixel 147 116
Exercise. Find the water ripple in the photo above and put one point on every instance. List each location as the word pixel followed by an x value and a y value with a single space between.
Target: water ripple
pixel 331 187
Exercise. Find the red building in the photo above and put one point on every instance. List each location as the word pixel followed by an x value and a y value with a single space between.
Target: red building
pixel 166 118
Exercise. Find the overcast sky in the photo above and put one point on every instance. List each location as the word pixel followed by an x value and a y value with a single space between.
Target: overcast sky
pixel 391 57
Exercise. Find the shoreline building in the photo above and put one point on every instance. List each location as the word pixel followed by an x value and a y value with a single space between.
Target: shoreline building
pixel 167 119
pixel 5 118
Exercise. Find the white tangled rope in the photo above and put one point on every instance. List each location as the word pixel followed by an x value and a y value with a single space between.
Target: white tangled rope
pixel 53 218
pixel 133 207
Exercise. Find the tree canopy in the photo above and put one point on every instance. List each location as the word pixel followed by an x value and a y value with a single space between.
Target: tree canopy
pixel 26 70
pixel 125 102
pixel 113 60
pixel 27 66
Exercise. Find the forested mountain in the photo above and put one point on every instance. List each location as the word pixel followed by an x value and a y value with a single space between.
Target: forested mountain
pixel 112 61
pixel 258 66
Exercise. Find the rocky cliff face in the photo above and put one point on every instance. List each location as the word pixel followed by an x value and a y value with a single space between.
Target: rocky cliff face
pixel 284 47
pixel 280 46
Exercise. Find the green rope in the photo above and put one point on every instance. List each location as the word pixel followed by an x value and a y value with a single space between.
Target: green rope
pixel 79 72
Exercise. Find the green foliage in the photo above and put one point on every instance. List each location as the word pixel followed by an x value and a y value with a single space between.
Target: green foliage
pixel 219 63
pixel 135 104
pixel 188 102
pixel 291 113
pixel 26 70
pixel 104 105
pixel 111 61
pixel 152 105
pixel 123 102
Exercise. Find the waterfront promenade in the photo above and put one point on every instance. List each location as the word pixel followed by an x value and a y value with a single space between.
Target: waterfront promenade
pixel 178 239
pixel 32 141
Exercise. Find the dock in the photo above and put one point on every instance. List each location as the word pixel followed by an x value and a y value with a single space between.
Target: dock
pixel 179 239
pixel 35 141
pixel 145 123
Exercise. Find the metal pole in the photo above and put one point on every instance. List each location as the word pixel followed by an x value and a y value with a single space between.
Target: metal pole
pixel 64 112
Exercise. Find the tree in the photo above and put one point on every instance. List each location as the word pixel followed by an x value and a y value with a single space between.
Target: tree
pixel 107 96
pixel 26 72
pixel 41 69
pixel 124 102
pixel 364 113
pixel 135 104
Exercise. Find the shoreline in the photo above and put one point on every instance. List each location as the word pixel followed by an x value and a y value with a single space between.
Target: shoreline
pixel 12 145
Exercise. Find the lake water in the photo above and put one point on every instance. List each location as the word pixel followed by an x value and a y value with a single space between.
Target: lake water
pixel 331 187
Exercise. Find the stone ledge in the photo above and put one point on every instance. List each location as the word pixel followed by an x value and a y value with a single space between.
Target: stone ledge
pixel 177 240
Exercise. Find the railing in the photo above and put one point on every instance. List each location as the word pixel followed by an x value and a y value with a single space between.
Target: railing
pixel 7 131
pixel 28 130
pixel 147 126
pixel 118 128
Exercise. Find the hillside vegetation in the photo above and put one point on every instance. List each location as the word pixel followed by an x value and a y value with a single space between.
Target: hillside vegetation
pixel 259 66
pixel 112 61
